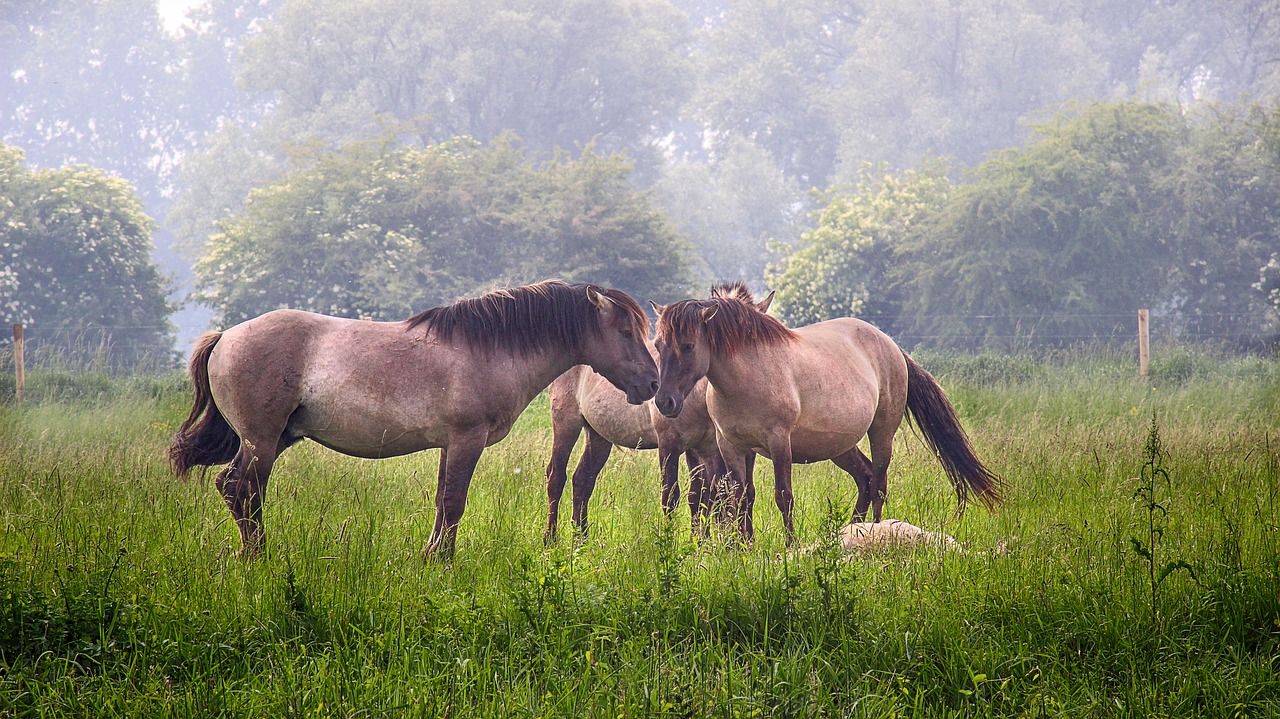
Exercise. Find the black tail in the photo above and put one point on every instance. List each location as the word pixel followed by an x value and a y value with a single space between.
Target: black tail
pixel 930 410
pixel 205 438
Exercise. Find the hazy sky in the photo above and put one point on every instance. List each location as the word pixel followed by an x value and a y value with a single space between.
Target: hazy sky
pixel 172 12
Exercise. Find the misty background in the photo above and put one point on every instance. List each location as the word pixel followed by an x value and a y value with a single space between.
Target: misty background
pixel 962 172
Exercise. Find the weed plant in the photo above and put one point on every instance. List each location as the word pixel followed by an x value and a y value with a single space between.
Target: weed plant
pixel 121 592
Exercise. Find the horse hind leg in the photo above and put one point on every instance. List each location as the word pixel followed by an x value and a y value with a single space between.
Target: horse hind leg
pixel 242 485
pixel 881 437
pixel 856 464
pixel 594 456
pixel 566 426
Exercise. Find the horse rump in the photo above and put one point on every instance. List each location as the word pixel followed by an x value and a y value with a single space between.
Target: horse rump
pixel 205 438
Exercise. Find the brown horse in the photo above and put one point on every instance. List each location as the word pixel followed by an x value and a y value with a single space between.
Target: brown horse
pixel 454 377
pixel 807 395
pixel 582 399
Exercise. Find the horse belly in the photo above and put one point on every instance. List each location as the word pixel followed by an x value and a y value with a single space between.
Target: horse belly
pixel 623 424
pixel 364 430
pixel 830 430
pixel 816 447
pixel 368 410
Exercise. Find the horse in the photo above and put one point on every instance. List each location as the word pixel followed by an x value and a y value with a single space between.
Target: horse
pixel 454 377
pixel 581 399
pixel 807 395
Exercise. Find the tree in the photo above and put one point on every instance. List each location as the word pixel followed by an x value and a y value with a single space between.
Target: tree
pixel 558 74
pixel 75 262
pixel 845 266
pixel 1224 221
pixel 767 67
pixel 386 231
pixel 1042 244
pixel 1120 207
pixel 956 79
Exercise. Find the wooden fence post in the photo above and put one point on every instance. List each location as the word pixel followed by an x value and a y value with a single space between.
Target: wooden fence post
pixel 17 360
pixel 1144 354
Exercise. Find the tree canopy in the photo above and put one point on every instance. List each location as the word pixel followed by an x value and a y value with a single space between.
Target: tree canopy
pixel 1112 208
pixel 75 262
pixel 741 117
pixel 385 232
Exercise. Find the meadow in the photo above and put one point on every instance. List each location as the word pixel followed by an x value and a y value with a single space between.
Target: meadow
pixel 1133 571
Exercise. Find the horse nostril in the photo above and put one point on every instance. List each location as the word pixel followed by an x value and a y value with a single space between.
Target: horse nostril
pixel 654 386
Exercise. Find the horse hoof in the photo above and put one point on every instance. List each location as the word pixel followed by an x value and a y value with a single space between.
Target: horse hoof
pixel 439 554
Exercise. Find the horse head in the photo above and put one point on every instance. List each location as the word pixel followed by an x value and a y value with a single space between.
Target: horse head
pixel 618 351
pixel 684 351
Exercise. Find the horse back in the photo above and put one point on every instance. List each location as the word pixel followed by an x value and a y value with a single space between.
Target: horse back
pixel 830 386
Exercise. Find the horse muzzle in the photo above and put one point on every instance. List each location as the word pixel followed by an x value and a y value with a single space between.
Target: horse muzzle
pixel 669 406
pixel 639 394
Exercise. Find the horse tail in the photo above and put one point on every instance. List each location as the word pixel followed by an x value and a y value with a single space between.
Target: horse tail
pixel 205 438
pixel 930 410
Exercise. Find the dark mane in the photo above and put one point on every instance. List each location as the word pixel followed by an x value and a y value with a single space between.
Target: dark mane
pixel 526 319
pixel 736 290
pixel 736 323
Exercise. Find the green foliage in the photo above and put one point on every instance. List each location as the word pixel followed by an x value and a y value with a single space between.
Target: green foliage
pixel 1049 239
pixel 1115 208
pixel 75 263
pixel 1152 497
pixel 387 232
pixel 844 266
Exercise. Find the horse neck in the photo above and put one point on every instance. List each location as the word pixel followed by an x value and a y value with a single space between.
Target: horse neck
pixel 740 372
pixel 537 370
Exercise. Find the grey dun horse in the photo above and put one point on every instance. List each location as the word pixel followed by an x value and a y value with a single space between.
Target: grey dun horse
pixel 807 395
pixel 454 377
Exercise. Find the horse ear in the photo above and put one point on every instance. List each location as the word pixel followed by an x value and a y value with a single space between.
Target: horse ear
pixel 598 298
pixel 657 308
pixel 710 312
pixel 763 305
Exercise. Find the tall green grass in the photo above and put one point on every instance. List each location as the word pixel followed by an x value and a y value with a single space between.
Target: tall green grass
pixel 121 593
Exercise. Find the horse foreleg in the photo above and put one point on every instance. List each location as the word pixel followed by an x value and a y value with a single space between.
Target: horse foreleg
pixel 856 464
pixel 669 464
pixel 739 490
pixel 699 484
pixel 242 484
pixel 594 455
pixel 780 453
pixel 565 427
pixel 457 465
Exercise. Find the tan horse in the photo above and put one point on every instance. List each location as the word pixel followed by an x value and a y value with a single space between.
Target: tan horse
pixel 454 377
pixel 582 399
pixel 807 395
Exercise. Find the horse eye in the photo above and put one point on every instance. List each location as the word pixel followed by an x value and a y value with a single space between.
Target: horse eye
pixel 687 347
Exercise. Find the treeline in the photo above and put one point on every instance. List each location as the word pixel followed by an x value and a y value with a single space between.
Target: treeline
pixel 385 232
pixel 854 155
pixel 1119 207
